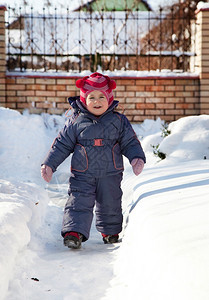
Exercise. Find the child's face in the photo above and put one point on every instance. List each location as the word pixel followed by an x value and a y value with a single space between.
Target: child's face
pixel 96 103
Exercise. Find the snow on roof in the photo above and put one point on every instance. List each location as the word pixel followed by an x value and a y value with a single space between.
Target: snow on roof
pixel 202 5
pixel 155 4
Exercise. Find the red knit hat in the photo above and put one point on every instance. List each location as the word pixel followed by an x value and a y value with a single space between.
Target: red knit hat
pixel 96 81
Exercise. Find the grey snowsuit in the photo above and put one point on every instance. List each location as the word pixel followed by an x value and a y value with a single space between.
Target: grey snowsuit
pixel 97 144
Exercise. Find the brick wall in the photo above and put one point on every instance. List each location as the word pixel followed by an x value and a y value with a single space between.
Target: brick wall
pixel 2 54
pixel 202 65
pixel 141 98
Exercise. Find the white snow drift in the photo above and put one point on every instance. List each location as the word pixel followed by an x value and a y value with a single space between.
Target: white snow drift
pixel 165 241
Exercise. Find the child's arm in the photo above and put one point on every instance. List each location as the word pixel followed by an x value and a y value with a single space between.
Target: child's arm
pixel 61 148
pixel 131 146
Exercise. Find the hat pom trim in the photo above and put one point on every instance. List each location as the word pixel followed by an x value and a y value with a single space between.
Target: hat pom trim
pixel 112 84
pixel 80 83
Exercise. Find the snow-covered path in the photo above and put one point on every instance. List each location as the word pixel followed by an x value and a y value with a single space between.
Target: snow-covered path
pixel 62 273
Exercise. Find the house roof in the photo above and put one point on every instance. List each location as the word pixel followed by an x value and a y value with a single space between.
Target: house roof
pixel 117 5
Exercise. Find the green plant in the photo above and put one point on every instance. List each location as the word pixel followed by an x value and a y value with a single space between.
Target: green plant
pixel 165 132
pixel 157 152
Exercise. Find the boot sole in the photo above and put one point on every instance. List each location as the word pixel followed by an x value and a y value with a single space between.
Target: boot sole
pixel 72 245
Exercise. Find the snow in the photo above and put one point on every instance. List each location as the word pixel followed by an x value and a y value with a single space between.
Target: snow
pixel 202 5
pixel 116 73
pixel 165 241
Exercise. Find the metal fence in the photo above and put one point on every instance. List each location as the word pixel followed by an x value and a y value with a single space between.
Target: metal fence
pixel 73 41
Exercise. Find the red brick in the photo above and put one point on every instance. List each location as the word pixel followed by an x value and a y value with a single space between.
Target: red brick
pixel 56 87
pixel 45 81
pixel 127 106
pixel 165 106
pixel 74 88
pixel 145 94
pixel 10 80
pixel 192 99
pixel 134 112
pixel 16 87
pixel 135 88
pixel 36 87
pixel 184 94
pixel 174 100
pixel 139 118
pixel 153 88
pixel 125 94
pixel 174 88
pixel 65 94
pixel 145 106
pixel 25 93
pixel 135 100
pixel 145 82
pixel 25 80
pixel 164 81
pixel 55 111
pixel 175 112
pixel 36 99
pixel 155 100
pixel 164 94
pixel 16 99
pixel 63 105
pixel 157 112
pixel 192 88
pixel 23 105
pixel 10 93
pixel 184 82
pixel 125 82
pixel 184 105
pixel 119 88
pixel 45 93
pixel 192 112
pixel 66 81
pixel 11 105
pixel 43 105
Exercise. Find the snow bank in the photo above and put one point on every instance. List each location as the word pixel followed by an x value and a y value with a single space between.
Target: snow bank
pixel 164 254
pixel 22 209
pixel 188 140
pixel 25 139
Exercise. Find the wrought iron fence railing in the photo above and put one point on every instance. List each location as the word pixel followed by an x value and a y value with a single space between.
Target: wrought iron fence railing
pixel 91 40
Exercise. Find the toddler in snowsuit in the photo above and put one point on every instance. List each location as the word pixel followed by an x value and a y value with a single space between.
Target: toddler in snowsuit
pixel 97 136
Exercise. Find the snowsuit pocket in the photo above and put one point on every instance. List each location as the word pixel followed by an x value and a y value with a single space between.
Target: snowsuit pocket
pixel 117 157
pixel 79 161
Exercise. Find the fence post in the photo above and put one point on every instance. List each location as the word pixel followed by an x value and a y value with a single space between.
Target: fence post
pixel 2 57
pixel 202 62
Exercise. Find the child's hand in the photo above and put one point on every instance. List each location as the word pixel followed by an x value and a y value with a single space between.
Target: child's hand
pixel 46 173
pixel 137 165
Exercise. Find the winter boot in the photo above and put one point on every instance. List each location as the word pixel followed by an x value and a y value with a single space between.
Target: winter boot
pixel 110 239
pixel 73 240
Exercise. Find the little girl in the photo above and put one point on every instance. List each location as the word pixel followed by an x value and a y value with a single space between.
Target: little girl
pixel 97 136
